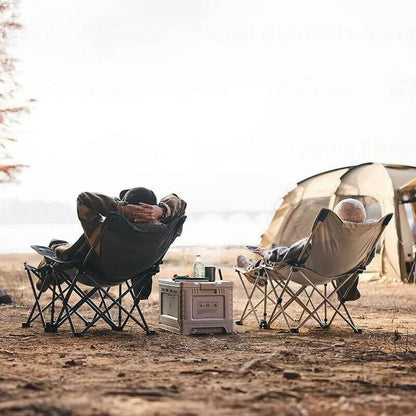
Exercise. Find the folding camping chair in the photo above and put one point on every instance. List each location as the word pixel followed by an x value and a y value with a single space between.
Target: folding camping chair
pixel 336 253
pixel 130 255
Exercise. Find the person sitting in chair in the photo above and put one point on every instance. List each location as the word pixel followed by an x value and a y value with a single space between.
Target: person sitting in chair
pixel 138 205
pixel 349 209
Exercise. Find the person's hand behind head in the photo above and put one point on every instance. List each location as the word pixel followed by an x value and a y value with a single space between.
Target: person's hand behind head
pixel 144 213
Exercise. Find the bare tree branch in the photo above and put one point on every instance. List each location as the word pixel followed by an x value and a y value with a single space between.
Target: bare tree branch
pixel 9 110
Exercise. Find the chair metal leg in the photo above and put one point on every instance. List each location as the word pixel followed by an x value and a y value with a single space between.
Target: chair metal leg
pixel 136 301
pixel 352 324
pixel 119 310
pixel 326 307
pixel 321 323
pixel 32 316
pixel 99 306
pixel 326 300
pixel 103 294
pixel 51 325
pixel 263 323
pixel 294 297
pixel 116 302
pixel 65 301
pixel 249 302
pixel 37 298
pixel 85 299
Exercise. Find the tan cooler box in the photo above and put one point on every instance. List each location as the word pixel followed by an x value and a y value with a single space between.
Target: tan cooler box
pixel 189 307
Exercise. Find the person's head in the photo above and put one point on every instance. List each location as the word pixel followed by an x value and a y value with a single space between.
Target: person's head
pixel 350 210
pixel 135 196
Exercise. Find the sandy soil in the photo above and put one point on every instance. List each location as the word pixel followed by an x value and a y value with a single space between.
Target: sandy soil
pixel 126 373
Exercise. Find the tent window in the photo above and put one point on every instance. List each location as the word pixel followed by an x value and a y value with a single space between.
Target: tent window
pixel 300 222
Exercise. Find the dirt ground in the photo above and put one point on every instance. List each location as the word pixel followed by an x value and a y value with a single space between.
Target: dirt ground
pixel 336 371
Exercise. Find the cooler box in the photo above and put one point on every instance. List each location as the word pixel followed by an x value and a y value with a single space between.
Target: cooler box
pixel 196 307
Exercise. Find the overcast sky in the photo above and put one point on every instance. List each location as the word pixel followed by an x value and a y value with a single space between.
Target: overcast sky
pixel 227 103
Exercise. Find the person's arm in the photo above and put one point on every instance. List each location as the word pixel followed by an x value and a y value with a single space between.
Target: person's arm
pixel 172 206
pixel 169 207
pixel 91 208
pixel 95 206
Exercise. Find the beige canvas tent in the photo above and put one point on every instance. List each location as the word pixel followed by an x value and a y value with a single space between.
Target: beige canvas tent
pixel 382 188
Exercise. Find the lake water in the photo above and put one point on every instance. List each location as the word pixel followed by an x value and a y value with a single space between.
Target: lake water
pixel 206 230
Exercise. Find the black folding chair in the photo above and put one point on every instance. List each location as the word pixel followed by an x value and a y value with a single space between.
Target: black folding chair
pixel 130 255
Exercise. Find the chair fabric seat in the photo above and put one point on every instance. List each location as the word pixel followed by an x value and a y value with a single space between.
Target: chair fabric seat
pixel 128 249
pixel 283 274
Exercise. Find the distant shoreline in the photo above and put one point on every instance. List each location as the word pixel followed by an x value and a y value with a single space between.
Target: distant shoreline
pixel 172 249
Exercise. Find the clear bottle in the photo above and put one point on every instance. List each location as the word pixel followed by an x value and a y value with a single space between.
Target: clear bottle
pixel 199 269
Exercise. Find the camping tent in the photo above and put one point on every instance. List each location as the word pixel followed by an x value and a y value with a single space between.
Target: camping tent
pixel 382 188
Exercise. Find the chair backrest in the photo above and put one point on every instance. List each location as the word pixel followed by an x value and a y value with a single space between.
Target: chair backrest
pixel 338 247
pixel 128 249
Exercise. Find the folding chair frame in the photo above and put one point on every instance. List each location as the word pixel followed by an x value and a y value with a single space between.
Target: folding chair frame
pixel 273 296
pixel 63 286
pixel 326 302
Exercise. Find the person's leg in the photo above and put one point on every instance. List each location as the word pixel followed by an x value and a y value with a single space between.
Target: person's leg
pixel 88 206
pixel 67 251
pixel 62 250
pixel 244 262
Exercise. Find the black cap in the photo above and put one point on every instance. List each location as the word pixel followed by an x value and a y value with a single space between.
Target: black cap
pixel 136 195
